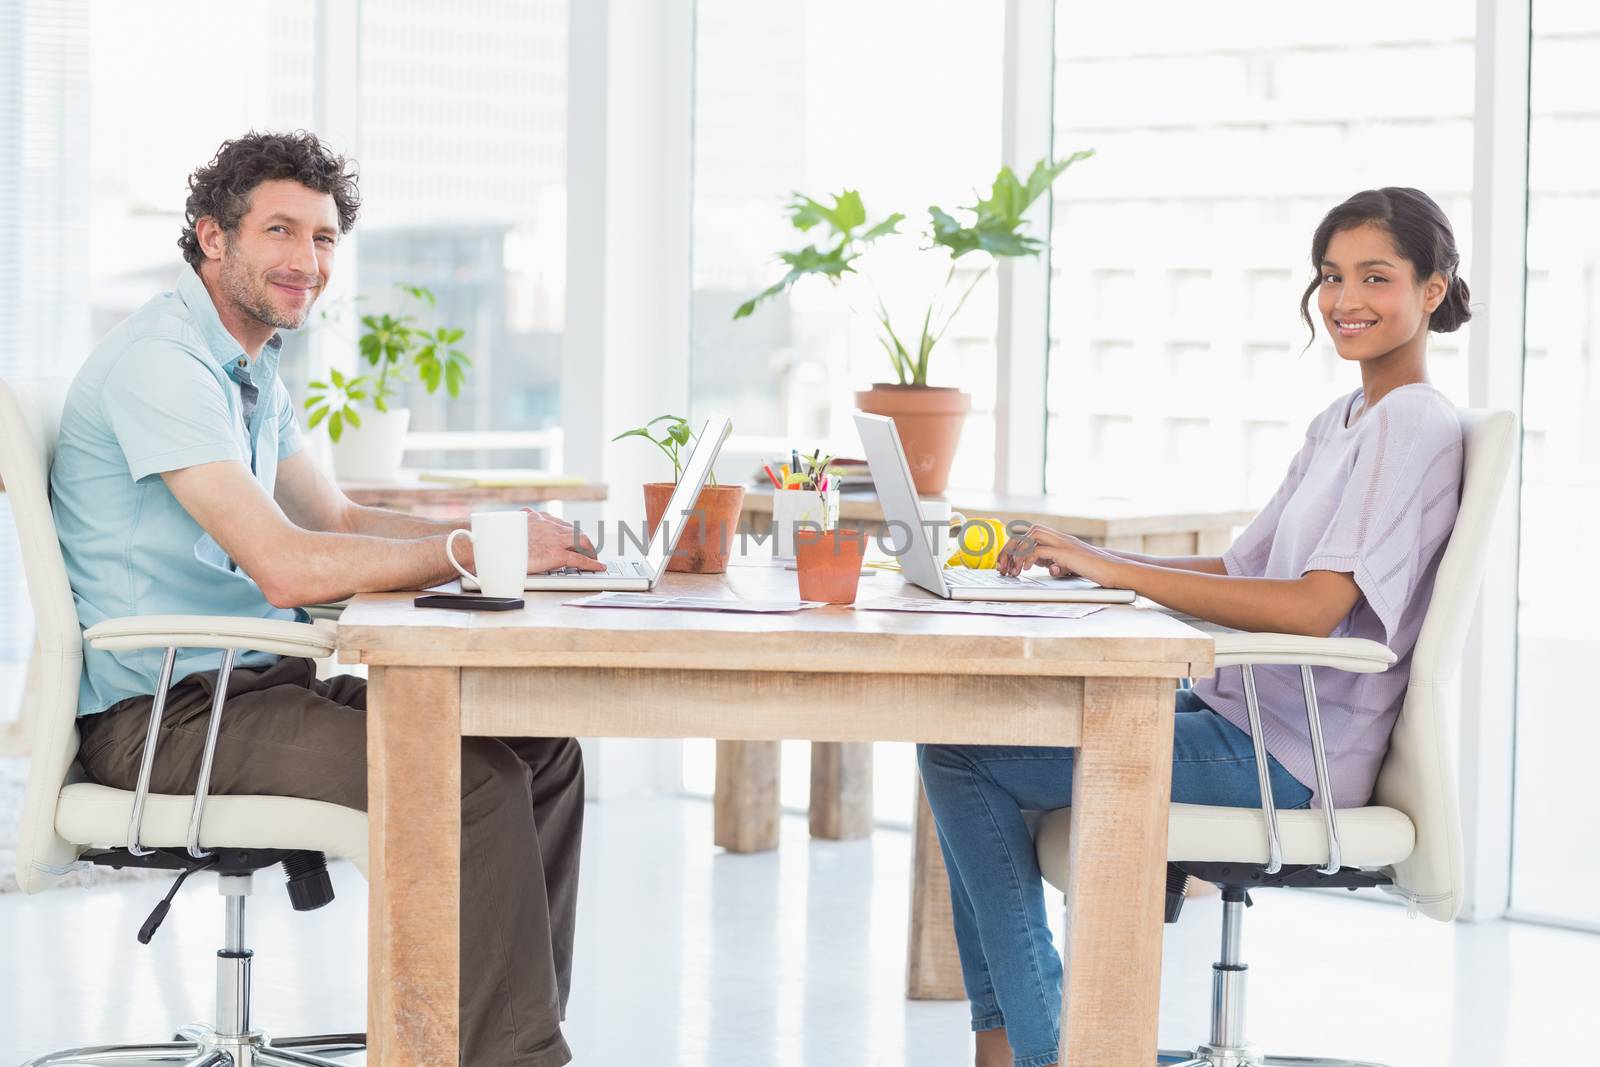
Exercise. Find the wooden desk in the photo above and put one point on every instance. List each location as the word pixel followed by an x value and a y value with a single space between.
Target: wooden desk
pixel 1104 683
pixel 841 775
pixel 442 500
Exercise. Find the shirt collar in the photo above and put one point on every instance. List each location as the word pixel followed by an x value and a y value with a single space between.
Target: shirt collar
pixel 222 345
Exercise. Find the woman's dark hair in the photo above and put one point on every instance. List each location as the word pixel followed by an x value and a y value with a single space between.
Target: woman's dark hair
pixel 222 187
pixel 1421 232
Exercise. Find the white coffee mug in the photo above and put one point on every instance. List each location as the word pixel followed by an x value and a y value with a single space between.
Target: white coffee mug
pixel 500 549
pixel 937 518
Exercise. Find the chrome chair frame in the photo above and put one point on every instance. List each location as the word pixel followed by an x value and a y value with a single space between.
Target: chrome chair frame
pixel 1227 1046
pixel 231 1041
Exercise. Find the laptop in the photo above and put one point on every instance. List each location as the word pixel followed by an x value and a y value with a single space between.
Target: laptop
pixel 641 575
pixel 891 477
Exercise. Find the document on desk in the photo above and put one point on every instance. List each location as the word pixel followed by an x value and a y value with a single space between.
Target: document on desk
pixel 978 607
pixel 690 603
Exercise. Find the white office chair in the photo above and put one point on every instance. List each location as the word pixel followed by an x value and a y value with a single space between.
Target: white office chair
pixel 1408 841
pixel 68 821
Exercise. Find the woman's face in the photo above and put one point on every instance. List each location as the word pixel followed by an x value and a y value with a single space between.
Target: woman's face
pixel 1371 300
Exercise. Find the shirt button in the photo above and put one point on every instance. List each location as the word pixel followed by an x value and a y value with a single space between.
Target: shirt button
pixel 241 362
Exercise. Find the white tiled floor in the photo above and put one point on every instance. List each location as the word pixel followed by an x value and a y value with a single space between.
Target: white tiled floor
pixel 689 957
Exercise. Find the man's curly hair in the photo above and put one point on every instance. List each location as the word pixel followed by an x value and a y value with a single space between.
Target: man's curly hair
pixel 222 187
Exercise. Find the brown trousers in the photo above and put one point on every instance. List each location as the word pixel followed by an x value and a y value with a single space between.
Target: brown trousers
pixel 285 733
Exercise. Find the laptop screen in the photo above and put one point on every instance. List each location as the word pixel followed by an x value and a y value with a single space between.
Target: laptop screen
pixel 695 471
pixel 897 494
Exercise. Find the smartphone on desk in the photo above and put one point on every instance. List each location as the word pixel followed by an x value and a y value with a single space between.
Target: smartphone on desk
pixel 466 602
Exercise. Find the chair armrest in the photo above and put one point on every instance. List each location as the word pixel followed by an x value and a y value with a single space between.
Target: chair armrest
pixel 1236 648
pixel 279 636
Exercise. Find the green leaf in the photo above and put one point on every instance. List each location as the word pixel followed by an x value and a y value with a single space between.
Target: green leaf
pixel 845 215
pixel 316 417
pixel 454 336
pixel 356 394
pixel 679 433
pixel 338 377
pixel 335 426
pixel 634 433
pixel 452 379
pixel 313 401
pixel 884 228
pixel 380 403
pixel 998 217
pixel 317 385
pixel 352 418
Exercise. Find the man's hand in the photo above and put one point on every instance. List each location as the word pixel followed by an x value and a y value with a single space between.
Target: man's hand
pixel 1065 555
pixel 555 543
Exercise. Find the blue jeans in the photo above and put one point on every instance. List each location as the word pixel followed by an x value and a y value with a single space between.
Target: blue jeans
pixel 978 794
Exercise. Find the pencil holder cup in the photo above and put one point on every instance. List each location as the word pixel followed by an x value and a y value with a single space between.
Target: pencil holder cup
pixel 800 509
pixel 829 564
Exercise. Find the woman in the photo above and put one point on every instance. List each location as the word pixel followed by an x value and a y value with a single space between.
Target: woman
pixel 1347 547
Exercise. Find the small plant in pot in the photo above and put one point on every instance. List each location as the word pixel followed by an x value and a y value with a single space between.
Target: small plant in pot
pixel 368 432
pixel 828 562
pixel 713 520
pixel 928 418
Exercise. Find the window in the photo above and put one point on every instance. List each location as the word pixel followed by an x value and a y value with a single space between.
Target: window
pixel 1558 636
pixel 463 167
pixel 1180 251
pixel 43 320
pixel 786 102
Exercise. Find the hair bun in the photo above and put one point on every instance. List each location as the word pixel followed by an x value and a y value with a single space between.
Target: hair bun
pixel 1455 310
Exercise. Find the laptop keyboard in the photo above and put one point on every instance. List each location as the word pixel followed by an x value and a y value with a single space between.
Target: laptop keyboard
pixel 980 579
pixel 615 568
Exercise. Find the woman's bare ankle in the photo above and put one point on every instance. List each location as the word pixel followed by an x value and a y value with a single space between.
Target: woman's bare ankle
pixel 993 1049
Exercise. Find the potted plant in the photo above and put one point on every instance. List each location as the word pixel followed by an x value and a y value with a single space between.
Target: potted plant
pixel 828 562
pixel 928 418
pixel 393 346
pixel 708 531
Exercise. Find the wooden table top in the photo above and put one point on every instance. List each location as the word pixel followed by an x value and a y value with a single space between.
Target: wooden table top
pixel 1118 640
pixel 412 492
pixel 1097 517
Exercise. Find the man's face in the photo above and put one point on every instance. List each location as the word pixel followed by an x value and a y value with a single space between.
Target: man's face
pixel 278 261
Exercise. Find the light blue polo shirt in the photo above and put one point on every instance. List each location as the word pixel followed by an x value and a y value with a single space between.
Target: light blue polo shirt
pixel 166 389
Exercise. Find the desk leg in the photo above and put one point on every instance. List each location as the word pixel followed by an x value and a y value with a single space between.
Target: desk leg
pixel 933 966
pixel 746 803
pixel 414 864
pixel 1118 849
pixel 841 790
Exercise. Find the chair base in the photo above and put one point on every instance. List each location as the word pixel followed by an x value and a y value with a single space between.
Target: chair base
pixel 201 1046
pixel 1208 1056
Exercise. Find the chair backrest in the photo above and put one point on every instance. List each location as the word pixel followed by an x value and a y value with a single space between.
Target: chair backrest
pixel 1418 775
pixel 30 419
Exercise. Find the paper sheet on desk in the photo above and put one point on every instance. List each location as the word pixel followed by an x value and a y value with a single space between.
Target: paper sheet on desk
pixel 979 607
pixel 690 603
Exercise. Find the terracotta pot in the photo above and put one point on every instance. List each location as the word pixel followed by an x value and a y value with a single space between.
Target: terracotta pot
pixel 829 564
pixel 708 533
pixel 929 419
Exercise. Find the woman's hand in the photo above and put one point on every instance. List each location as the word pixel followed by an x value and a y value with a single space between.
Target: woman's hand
pixel 1065 555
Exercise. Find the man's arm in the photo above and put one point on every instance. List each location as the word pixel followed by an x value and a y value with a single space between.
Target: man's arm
pixel 295 566
pixel 311 500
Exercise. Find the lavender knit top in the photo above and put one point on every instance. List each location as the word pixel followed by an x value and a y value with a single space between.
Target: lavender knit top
pixel 1376 500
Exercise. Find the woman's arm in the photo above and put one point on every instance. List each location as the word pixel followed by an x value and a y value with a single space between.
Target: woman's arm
pixel 1202 564
pixel 1312 605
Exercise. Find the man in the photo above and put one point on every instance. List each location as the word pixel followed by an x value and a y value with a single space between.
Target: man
pixel 181 487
